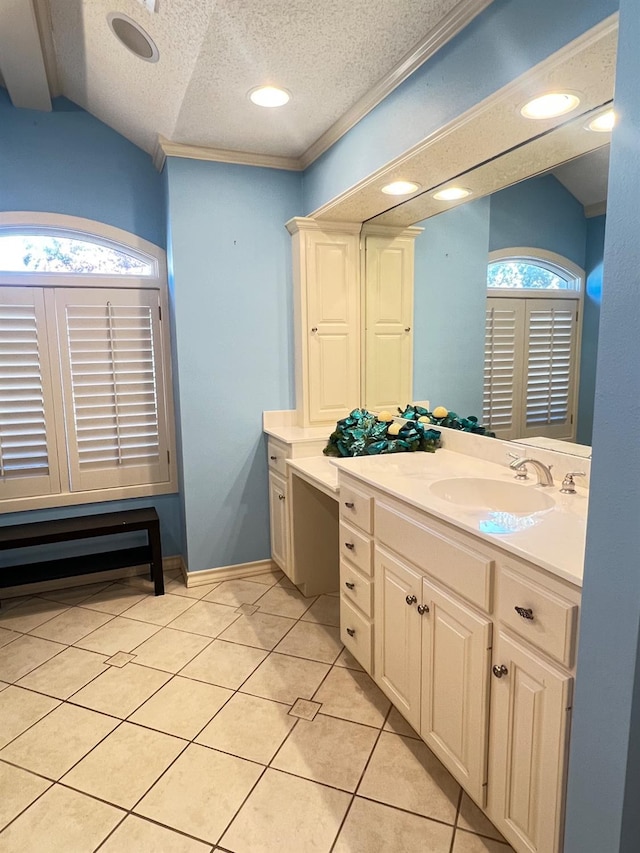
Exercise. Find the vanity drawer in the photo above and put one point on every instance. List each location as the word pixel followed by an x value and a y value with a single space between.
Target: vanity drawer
pixel 356 633
pixel 453 562
pixel 542 618
pixel 356 508
pixel 357 589
pixel 277 457
pixel 356 548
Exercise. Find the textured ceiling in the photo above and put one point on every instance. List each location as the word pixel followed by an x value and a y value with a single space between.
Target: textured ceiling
pixel 587 178
pixel 212 52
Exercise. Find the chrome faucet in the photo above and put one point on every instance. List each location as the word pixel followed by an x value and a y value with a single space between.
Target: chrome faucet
pixel 543 471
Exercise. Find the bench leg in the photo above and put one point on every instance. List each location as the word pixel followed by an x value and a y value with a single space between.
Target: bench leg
pixel 155 546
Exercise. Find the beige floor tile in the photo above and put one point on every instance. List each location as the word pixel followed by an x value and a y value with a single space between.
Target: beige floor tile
pixel 65 673
pixel 327 750
pixel 305 709
pixel 61 821
pixel 20 709
pixel 159 609
pixel 118 635
pixel 261 630
pixel 284 602
pixel 125 765
pixel 74 594
pixel 29 615
pixel 178 587
pixel 224 664
pixel 325 611
pixel 7 636
pixel 136 835
pixel 472 818
pixel 404 772
pixel 120 659
pixel 170 650
pixel 3 684
pixel 467 842
pixel 120 690
pixel 206 618
pixel 71 626
pixel 25 654
pixel 58 741
pixel 19 789
pixel 236 592
pixel 373 827
pixel 353 696
pixel 397 724
pixel 265 821
pixel 267 578
pixel 15 601
pixel 143 582
pixel 348 661
pixel 284 679
pixel 312 641
pixel 115 599
pixel 182 707
pixel 249 727
pixel 201 792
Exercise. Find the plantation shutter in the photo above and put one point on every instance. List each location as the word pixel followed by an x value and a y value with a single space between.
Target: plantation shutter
pixel 28 457
pixel 550 368
pixel 112 375
pixel 503 366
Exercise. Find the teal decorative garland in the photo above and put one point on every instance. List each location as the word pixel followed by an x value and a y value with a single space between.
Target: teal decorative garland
pixel 451 420
pixel 362 434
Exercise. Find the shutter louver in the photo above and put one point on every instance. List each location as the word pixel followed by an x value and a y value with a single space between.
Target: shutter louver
pixel 502 366
pixel 114 388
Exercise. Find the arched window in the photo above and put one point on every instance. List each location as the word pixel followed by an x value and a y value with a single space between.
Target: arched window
pixel 85 383
pixel 532 344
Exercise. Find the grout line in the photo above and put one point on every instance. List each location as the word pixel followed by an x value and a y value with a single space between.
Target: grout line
pixel 455 823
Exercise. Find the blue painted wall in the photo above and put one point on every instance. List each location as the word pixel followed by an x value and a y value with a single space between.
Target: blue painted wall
pixel 449 308
pixel 604 767
pixel 233 313
pixel 590 326
pixel 504 41
pixel 66 161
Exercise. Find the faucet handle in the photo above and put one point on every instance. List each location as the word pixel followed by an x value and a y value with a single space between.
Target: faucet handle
pixel 568 485
pixel 521 471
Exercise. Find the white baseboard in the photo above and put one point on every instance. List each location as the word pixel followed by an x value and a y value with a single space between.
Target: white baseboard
pixel 168 564
pixel 225 573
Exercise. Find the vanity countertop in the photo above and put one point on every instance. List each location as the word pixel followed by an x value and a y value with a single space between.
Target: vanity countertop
pixel 319 471
pixel 553 539
pixel 296 434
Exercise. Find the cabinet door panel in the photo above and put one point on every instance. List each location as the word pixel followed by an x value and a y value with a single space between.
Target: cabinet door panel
pixel 397 634
pixel 455 674
pixel 529 738
pixel 278 520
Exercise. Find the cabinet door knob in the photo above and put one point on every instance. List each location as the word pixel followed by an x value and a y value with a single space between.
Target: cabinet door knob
pixel 280 497
pixel 273 458
pixel 314 329
pixel 411 599
pixel 525 612
pixel 499 671
pixel 408 329
pixel 423 608
pixel 349 504
pixel 349 545
pixel 349 585
pixel 351 632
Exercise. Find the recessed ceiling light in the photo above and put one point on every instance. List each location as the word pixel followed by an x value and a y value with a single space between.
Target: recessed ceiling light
pixel 452 193
pixel 401 188
pixel 551 105
pixel 603 123
pixel 269 96
pixel 133 37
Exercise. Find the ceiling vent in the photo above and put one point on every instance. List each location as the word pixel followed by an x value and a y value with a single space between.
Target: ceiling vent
pixel 133 37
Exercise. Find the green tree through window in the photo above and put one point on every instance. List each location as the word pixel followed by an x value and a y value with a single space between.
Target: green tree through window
pixel 45 253
pixel 521 275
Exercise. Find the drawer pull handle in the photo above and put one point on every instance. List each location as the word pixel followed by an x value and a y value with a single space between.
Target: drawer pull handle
pixel 499 671
pixel 423 608
pixel 273 458
pixel 411 599
pixel 349 504
pixel 280 497
pixel 351 632
pixel 349 545
pixel 525 612
pixel 349 585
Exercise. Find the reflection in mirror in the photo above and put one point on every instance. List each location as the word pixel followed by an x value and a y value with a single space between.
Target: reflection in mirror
pixel 541 359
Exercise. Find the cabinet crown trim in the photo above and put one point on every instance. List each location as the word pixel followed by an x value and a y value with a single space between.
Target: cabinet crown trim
pixel 306 223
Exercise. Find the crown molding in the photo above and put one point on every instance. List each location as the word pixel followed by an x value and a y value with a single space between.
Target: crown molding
pixel 165 148
pixel 307 223
pixel 505 94
pixel 371 229
pixel 448 27
pixel 597 209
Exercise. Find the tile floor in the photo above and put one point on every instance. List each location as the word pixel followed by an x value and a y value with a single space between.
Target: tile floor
pixel 225 717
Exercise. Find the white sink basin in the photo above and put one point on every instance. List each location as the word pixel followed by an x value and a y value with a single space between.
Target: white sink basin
pixel 496 495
